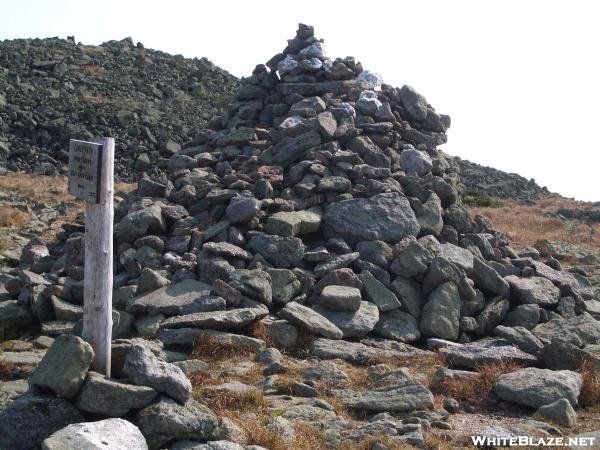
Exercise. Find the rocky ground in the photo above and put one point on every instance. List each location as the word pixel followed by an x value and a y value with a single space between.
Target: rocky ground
pixel 53 90
pixel 306 276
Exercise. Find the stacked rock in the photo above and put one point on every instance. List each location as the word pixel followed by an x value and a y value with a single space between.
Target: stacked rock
pixel 319 202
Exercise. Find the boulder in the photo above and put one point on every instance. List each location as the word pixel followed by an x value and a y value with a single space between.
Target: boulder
pixel 64 366
pixel 538 387
pixel 115 434
pixel 485 351
pixel 31 418
pixel 390 219
pixel 441 314
pixel 232 319
pixel 166 421
pixel 310 320
pixel 145 369
pixel 533 290
pixel 560 412
pixel 184 297
pixel 340 298
pixel 106 397
pixel 354 324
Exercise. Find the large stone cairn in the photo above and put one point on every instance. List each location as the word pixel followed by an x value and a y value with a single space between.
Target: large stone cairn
pixel 318 204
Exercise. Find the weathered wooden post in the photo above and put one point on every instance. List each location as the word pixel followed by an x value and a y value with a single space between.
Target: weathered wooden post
pixel 91 178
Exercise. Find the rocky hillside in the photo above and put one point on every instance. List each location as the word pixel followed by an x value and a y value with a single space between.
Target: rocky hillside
pixel 486 181
pixel 52 90
pixel 304 276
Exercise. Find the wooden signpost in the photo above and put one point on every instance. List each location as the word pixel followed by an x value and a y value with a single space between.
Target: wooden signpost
pixel 91 178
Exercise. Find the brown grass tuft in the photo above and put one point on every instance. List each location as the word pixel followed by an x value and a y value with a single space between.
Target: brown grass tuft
pixel 228 403
pixel 12 217
pixel 590 390
pixel 7 369
pixel 210 349
pixel 478 389
pixel 525 224
pixel 259 434
pixel 38 188
pixel 93 68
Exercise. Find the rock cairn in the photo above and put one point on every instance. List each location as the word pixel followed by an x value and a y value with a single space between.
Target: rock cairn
pixel 53 90
pixel 318 205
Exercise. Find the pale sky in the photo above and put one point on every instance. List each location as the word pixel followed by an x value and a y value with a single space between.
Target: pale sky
pixel 520 79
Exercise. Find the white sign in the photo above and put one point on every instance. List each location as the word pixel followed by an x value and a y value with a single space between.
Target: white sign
pixel 85 170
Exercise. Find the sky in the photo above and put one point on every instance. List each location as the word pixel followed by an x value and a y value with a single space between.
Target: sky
pixel 520 79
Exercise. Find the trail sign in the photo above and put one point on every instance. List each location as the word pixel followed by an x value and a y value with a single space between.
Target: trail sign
pixel 91 178
pixel 85 170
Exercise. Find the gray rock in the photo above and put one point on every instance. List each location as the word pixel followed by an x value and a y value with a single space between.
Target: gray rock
pixel 579 330
pixel 492 315
pixel 189 336
pixel 441 314
pixel 376 252
pixel 403 396
pixel 538 387
pixel 64 366
pixel 14 316
pixel 145 369
pixel 233 319
pixel 534 290
pixel 413 258
pixel 414 103
pixel 429 214
pixel 116 434
pixel 242 209
pixel 227 250
pixel 399 326
pixel 285 285
pixel 376 292
pixel 488 279
pixel 412 160
pixel 166 421
pixel 335 263
pixel 289 150
pixel 485 351
pixel 283 334
pixel 256 284
pixel 148 220
pixel 526 316
pixel 187 295
pixel 280 251
pixel 340 298
pixel 310 320
pixel 353 352
pixel 560 412
pixel 101 395
pixel 409 293
pixel 390 219
pixel 354 324
pixel 521 337
pixel 31 418
pixel 293 223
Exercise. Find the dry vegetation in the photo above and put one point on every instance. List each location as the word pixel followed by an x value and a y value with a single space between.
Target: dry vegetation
pixel 12 217
pixel 93 68
pixel 476 390
pixel 528 223
pixel 37 188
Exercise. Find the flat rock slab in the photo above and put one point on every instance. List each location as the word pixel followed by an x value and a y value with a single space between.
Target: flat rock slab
pixel 165 421
pixel 355 324
pixel 189 336
pixel 170 300
pixel 113 434
pixel 310 320
pixel 485 351
pixel 582 329
pixel 538 387
pixel 534 290
pixel 404 396
pixel 232 319
pixel 354 352
pixel 101 395
pixel 64 366
pixel 292 223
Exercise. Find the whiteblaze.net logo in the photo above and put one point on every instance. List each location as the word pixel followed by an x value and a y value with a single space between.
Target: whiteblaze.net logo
pixel 528 441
